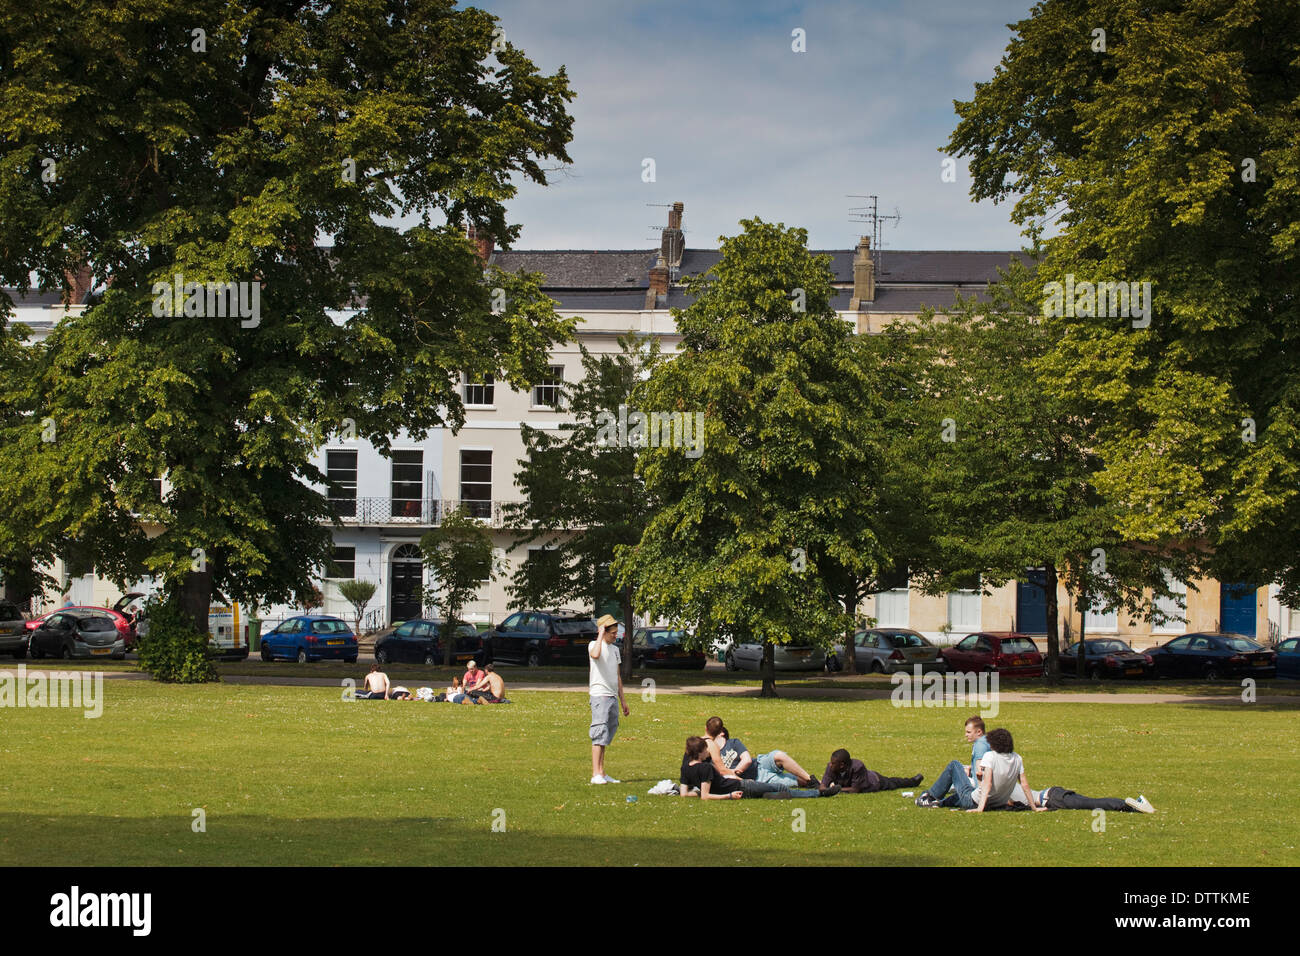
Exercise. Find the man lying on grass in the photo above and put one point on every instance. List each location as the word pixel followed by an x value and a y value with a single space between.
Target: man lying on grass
pixel 1058 798
pixel 852 776
pixel 699 777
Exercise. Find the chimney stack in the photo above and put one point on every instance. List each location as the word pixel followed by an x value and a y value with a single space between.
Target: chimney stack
pixel 482 243
pixel 673 243
pixel 864 276
pixel 658 284
pixel 79 284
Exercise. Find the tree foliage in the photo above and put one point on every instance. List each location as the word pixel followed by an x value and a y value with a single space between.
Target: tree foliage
pixel 226 158
pixel 459 554
pixel 1171 156
pixel 765 358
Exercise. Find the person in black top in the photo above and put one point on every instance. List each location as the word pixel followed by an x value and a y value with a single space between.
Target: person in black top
pixel 699 774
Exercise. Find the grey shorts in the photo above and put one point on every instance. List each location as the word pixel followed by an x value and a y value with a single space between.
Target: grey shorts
pixel 604 720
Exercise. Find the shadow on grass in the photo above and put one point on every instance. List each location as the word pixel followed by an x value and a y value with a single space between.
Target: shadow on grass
pixel 382 840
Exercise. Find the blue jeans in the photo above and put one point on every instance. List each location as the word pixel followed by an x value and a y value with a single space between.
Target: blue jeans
pixel 954 775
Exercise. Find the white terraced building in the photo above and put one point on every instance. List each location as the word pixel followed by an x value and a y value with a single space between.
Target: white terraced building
pixel 386 503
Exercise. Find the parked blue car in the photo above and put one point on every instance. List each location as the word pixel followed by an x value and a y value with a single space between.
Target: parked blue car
pixel 1288 658
pixel 311 637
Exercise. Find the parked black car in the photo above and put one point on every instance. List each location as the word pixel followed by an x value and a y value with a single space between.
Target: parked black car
pixel 663 647
pixel 1105 657
pixel 541 637
pixel 420 642
pixel 1211 655
pixel 83 634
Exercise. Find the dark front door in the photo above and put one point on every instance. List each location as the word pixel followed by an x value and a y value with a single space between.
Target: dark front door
pixel 1031 602
pixel 1237 609
pixel 405 582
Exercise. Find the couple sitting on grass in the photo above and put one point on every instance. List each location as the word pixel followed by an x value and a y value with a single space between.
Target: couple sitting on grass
pixel 720 767
pixel 997 781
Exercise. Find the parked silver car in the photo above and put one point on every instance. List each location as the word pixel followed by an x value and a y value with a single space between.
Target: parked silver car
pixel 13 631
pixel 785 657
pixel 887 650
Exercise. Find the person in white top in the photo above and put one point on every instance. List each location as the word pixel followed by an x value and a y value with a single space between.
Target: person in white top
pixel 605 685
pixel 1002 770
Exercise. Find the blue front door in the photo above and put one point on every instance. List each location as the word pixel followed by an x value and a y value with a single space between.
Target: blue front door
pixel 1237 609
pixel 1031 602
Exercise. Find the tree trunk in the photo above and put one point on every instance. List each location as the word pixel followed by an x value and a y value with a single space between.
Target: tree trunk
pixel 448 632
pixel 195 594
pixel 1053 625
pixel 768 669
pixel 850 652
pixel 626 605
pixel 1081 667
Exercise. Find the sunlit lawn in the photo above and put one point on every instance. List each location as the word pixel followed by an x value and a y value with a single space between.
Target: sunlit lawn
pixel 291 775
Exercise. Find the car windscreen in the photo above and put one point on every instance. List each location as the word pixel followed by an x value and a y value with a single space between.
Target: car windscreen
pixel 1108 647
pixel 903 639
pixel 1241 644
pixel 1018 645
pixel 328 627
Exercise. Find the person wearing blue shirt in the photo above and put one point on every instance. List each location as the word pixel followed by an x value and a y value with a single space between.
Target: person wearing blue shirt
pixel 963 785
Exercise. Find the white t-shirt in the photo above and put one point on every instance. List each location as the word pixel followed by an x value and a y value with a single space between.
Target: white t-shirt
pixel 602 680
pixel 1006 770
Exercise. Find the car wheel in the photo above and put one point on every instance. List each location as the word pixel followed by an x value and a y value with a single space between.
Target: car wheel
pixel 534 658
pixel 66 653
pixel 638 662
pixel 877 667
pixel 429 661
pixel 349 660
pixel 1047 671
pixel 1094 672
pixel 266 652
pixel 37 653
pixel 302 655
pixel 730 662
pixel 1211 672
pixel 381 656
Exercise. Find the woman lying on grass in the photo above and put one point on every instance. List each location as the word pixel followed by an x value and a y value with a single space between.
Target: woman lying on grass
pixel 699 777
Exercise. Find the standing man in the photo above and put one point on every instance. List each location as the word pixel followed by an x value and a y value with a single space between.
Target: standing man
pixel 605 685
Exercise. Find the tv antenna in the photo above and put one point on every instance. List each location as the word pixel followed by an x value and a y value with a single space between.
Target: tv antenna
pixel 871 213
pixel 658 236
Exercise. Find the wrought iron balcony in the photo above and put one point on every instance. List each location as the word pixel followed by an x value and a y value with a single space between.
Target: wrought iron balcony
pixel 417 512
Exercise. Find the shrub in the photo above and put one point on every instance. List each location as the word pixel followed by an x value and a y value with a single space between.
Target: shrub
pixel 175 652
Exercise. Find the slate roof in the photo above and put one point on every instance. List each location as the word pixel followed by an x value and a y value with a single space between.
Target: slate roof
pixel 906 280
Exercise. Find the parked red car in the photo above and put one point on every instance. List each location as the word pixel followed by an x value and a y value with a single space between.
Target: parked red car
pixel 1010 655
pixel 117 612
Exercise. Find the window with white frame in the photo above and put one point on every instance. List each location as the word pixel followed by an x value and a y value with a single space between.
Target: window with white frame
pixel 964 610
pixel 546 393
pixel 481 392
pixel 1293 621
pixel 476 481
pixel 1173 609
pixel 1100 620
pixel 891 608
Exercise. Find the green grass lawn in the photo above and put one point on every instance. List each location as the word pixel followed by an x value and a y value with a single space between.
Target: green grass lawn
pixel 297 776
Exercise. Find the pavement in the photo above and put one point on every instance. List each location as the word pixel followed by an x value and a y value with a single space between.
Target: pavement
pixel 786 691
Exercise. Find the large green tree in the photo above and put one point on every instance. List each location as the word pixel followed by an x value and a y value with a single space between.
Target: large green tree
pixel 1007 465
pixel 459 554
pixel 582 496
pixel 220 141
pixel 1160 142
pixel 768 363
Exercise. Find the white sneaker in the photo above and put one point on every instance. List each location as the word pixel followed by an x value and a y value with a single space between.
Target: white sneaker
pixel 1140 804
pixel 598 780
pixel 609 779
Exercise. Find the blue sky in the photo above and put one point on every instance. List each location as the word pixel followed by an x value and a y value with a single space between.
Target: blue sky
pixel 739 125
